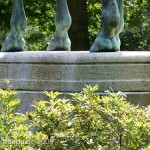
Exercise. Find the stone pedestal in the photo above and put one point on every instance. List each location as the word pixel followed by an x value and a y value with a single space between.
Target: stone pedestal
pixel 31 73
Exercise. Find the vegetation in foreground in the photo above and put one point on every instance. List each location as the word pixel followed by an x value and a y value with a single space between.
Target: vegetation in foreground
pixel 87 121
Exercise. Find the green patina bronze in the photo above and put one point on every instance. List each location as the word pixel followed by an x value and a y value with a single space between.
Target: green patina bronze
pixel 15 41
pixel 107 41
pixel 60 39
pixel 112 24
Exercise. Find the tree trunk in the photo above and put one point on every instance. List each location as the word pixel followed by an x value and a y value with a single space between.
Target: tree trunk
pixel 78 32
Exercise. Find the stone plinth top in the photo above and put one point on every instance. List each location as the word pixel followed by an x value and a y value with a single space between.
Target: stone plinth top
pixel 31 73
pixel 76 57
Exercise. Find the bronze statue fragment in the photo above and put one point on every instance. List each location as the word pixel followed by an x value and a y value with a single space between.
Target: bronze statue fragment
pixel 60 39
pixel 112 24
pixel 15 41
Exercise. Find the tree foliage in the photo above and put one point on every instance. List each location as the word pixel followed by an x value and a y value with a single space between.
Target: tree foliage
pixel 40 14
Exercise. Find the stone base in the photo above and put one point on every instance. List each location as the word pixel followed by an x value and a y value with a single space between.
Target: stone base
pixel 30 73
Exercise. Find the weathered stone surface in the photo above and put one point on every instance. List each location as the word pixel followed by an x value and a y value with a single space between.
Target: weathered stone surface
pixel 35 72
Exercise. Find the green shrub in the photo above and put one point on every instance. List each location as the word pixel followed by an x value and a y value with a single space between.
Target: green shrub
pixel 13 130
pixel 85 121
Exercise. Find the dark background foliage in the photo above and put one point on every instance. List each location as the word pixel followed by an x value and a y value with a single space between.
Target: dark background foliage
pixel 86 23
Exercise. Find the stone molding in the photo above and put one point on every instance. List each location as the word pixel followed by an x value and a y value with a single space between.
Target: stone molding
pixel 34 72
pixel 75 57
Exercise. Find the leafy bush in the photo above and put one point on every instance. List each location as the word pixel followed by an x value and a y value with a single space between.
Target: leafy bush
pixel 13 129
pixel 85 121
